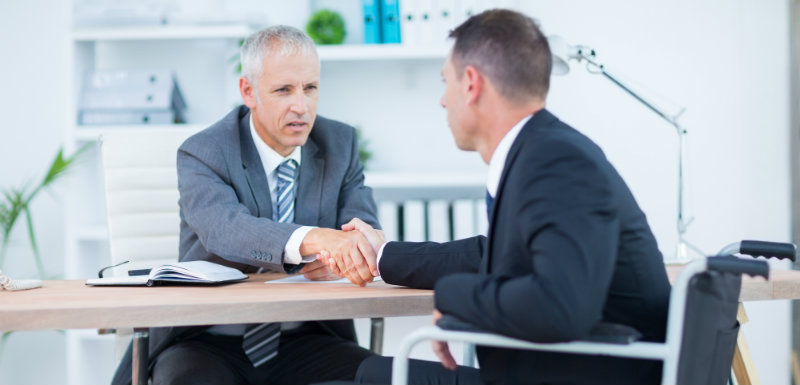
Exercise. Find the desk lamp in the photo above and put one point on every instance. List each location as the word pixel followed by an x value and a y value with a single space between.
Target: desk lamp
pixel 562 54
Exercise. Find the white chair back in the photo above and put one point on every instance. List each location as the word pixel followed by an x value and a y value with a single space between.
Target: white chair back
pixel 141 188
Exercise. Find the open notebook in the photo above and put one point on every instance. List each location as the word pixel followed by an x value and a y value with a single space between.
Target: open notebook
pixel 191 272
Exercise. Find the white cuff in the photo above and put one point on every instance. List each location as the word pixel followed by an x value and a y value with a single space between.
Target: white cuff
pixel 378 259
pixel 292 249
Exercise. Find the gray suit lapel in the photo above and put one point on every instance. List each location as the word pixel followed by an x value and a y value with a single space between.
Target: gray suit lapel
pixel 254 170
pixel 309 185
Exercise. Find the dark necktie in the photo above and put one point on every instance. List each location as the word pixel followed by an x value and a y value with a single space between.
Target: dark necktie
pixel 260 341
pixel 489 202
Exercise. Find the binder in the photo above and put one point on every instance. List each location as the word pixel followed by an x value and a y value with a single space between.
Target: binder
pixel 414 221
pixel 427 31
pixel 482 222
pixel 387 216
pixel 114 117
pixel 372 26
pixel 438 221
pixel 409 20
pixel 390 21
pixel 464 218
pixel 466 9
pixel 444 20
pixel 128 79
pixel 142 99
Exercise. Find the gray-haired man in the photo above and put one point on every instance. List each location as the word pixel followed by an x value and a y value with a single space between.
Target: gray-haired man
pixel 265 188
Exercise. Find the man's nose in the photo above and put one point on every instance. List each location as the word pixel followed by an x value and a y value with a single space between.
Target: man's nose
pixel 299 104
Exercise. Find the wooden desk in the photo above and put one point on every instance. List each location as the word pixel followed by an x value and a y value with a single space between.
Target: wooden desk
pixel 782 284
pixel 73 305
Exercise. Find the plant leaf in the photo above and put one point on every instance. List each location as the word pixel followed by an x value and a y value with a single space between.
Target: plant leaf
pixel 58 168
pixel 37 257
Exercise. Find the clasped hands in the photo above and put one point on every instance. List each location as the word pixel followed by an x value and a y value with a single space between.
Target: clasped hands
pixel 350 253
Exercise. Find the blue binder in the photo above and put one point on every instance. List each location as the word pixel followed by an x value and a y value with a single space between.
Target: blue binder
pixel 390 21
pixel 372 25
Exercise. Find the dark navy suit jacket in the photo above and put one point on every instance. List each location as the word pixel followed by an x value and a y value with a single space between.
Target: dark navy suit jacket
pixel 567 247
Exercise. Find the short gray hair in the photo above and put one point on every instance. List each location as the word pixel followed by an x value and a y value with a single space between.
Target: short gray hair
pixel 274 40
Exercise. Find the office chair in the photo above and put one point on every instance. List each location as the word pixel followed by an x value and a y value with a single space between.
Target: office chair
pixel 701 324
pixel 141 191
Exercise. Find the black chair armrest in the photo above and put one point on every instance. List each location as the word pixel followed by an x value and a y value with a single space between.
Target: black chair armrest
pixel 612 333
pixel 604 332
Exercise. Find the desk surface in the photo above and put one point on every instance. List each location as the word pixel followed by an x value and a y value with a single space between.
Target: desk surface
pixel 73 305
pixel 782 284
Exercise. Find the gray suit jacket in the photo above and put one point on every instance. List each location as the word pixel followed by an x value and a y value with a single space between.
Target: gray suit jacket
pixel 226 209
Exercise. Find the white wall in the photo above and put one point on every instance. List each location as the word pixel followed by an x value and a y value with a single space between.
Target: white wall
pixel 727 62
pixel 32 109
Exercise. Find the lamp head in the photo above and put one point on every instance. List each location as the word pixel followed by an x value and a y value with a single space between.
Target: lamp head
pixel 559 49
pixel 562 53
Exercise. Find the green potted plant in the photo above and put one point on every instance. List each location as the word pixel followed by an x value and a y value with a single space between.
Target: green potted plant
pixel 326 27
pixel 15 202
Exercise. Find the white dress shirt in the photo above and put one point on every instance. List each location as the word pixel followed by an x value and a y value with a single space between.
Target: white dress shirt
pixel 270 159
pixel 496 165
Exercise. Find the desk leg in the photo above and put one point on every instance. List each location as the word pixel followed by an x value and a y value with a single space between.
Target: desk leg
pixel 743 366
pixel 141 337
pixel 376 335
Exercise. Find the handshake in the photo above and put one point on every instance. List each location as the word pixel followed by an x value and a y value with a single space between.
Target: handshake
pixel 350 253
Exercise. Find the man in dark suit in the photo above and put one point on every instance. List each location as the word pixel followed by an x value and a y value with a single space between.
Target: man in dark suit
pixel 264 189
pixel 567 245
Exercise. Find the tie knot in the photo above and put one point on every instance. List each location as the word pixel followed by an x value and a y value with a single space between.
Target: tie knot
pixel 287 169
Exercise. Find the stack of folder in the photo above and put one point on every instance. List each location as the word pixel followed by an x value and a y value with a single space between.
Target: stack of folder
pixel 416 23
pixel 131 97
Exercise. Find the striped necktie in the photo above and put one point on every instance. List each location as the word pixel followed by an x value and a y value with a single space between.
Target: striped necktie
pixel 260 341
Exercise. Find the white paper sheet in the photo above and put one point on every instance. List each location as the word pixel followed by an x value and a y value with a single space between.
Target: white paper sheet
pixel 301 279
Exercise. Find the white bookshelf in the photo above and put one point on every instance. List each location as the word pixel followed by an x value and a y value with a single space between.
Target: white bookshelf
pixel 368 52
pixel 161 32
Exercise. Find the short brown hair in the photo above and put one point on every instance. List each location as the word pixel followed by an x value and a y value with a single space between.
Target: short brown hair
pixel 509 49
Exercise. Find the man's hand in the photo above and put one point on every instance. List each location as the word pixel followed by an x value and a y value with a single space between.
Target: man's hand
pixel 352 254
pixel 375 237
pixel 441 349
pixel 318 271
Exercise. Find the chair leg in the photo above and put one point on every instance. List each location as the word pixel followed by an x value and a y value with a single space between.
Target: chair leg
pixel 141 337
pixel 376 335
pixel 743 365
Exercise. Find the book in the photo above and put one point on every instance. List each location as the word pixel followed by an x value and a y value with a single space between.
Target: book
pixel 191 272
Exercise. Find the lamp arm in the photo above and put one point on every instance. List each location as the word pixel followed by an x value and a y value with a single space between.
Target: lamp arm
pixel 593 66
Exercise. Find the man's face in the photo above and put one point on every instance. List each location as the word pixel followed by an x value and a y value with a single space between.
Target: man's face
pixel 453 100
pixel 284 105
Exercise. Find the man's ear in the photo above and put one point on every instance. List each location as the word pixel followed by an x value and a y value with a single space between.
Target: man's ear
pixel 248 92
pixel 473 82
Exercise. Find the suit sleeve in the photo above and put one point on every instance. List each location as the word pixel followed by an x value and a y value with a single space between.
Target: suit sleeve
pixel 421 264
pixel 563 212
pixel 224 226
pixel 355 199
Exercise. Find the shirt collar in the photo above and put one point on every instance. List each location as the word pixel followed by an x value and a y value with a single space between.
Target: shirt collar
pixel 498 160
pixel 270 159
